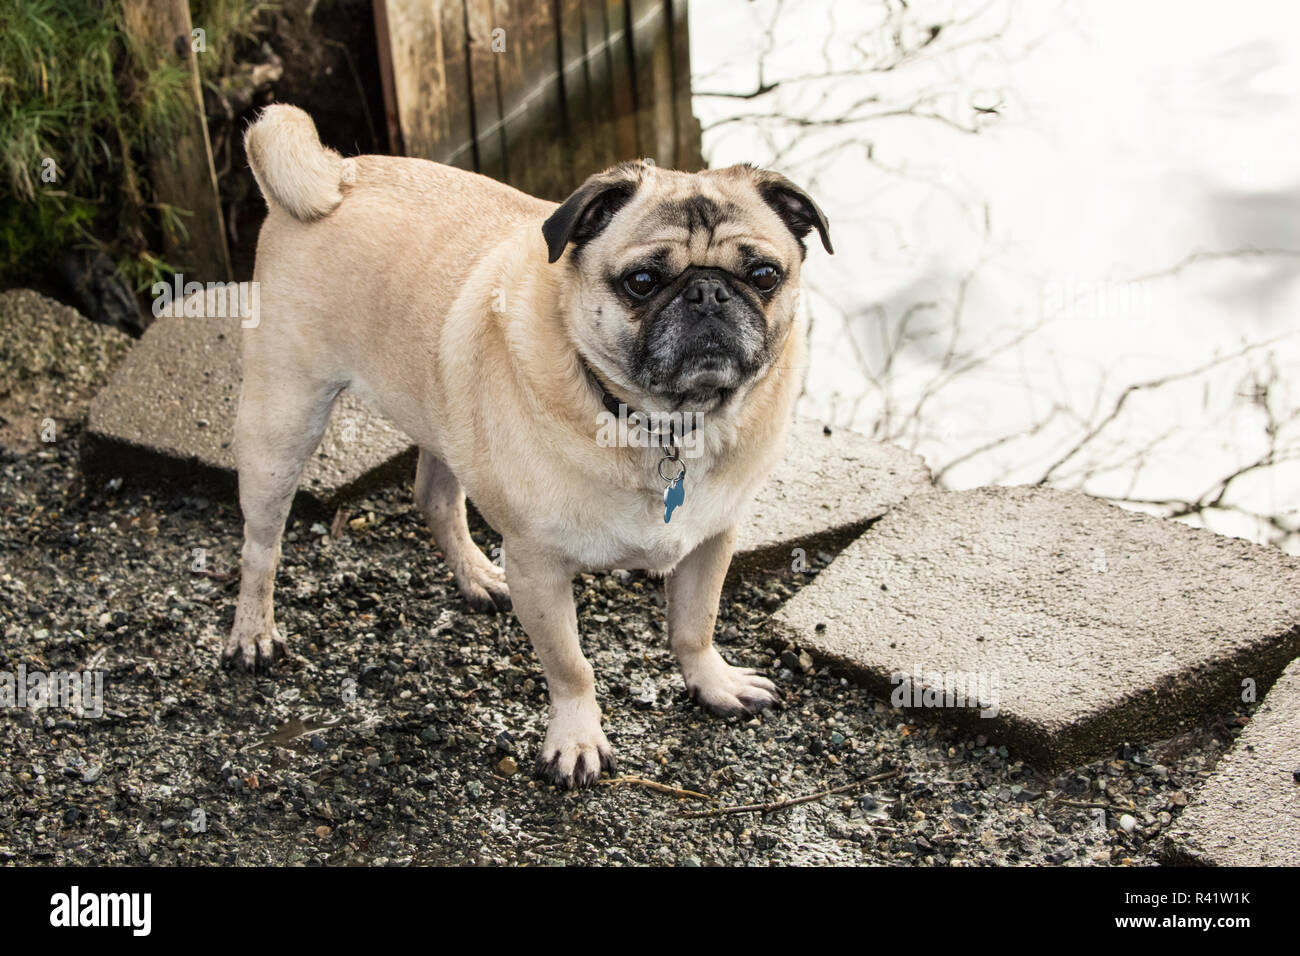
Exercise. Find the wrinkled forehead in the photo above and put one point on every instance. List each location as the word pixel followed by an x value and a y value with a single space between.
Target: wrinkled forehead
pixel 681 219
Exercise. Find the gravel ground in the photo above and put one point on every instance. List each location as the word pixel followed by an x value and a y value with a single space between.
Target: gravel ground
pixel 51 361
pixel 403 728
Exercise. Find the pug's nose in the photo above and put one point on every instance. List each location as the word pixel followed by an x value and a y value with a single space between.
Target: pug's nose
pixel 706 294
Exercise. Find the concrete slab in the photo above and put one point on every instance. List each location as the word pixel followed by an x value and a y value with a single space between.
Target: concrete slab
pixel 1087 625
pixel 827 490
pixel 1248 813
pixel 168 413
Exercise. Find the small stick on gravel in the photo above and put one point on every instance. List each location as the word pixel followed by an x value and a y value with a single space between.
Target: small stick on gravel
pixel 766 808
pixel 222 576
pixel 659 787
pixel 1093 806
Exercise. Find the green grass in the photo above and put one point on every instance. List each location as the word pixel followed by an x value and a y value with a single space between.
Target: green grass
pixel 75 90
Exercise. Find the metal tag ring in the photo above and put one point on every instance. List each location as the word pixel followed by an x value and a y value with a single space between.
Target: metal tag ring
pixel 680 475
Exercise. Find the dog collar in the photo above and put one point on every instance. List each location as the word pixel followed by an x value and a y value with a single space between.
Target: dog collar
pixel 619 408
pixel 675 493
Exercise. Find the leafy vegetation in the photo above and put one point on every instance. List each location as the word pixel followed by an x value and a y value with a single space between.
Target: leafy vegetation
pixel 81 106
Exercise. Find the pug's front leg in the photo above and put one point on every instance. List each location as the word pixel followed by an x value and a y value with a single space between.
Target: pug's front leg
pixel 694 587
pixel 575 749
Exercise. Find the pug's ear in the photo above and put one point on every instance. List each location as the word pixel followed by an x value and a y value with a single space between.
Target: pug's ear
pixel 795 207
pixel 584 214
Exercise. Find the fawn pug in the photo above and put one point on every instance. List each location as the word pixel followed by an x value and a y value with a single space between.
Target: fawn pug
pixel 499 331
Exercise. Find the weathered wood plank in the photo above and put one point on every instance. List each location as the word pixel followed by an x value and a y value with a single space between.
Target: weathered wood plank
pixel 431 79
pixel 652 72
pixel 486 101
pixel 384 42
pixel 621 79
pixel 641 59
pixel 415 36
pixel 596 44
pixel 181 170
pixel 459 148
pixel 664 120
pixel 570 87
pixel 518 145
pixel 553 173
pixel 577 95
pixel 688 147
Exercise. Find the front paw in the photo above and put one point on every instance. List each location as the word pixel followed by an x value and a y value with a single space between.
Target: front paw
pixel 484 588
pixel 575 749
pixel 725 690
pixel 252 650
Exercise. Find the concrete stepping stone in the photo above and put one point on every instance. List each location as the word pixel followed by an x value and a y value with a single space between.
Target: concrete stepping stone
pixel 1248 813
pixel 1080 625
pixel 169 411
pixel 831 485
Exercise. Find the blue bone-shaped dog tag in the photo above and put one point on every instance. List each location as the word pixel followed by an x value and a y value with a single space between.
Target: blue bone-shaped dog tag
pixel 674 496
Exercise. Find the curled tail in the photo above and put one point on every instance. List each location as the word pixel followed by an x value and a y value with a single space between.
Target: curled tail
pixel 293 169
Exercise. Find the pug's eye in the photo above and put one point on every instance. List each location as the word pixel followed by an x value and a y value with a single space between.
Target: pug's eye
pixel 641 283
pixel 765 278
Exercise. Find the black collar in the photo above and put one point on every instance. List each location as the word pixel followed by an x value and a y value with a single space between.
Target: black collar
pixel 618 408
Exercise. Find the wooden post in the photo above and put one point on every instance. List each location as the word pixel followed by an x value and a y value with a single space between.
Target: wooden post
pixel 579 85
pixel 652 72
pixel 621 81
pixel 483 79
pixel 554 179
pixel 596 44
pixel 689 156
pixel 431 79
pixel 577 95
pixel 518 139
pixel 387 79
pixel 182 171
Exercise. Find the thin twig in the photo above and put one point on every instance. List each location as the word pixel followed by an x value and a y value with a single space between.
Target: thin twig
pixel 1149 385
pixel 766 808
pixel 659 787
pixel 1082 805
pixel 222 576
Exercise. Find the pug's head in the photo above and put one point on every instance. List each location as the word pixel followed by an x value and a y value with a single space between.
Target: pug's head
pixel 683 286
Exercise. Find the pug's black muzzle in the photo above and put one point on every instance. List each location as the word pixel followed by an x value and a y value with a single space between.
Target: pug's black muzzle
pixel 703 334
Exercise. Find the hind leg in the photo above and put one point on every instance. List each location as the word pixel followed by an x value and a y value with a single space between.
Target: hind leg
pixel 438 494
pixel 279 425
